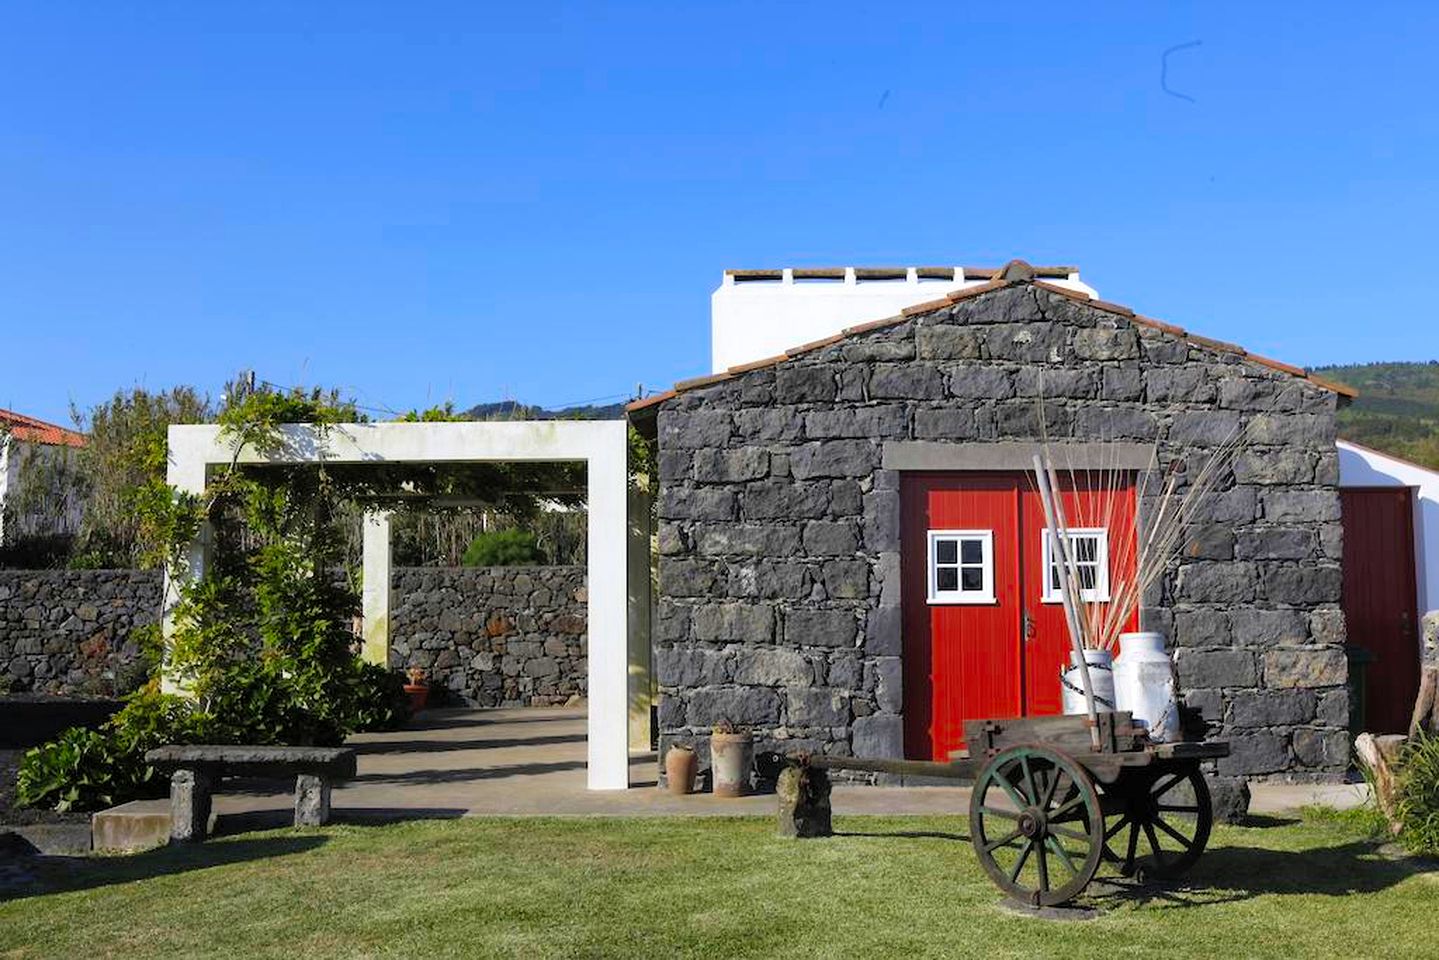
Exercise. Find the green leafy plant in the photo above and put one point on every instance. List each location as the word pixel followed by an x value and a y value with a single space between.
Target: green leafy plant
pixel 1416 804
pixel 504 548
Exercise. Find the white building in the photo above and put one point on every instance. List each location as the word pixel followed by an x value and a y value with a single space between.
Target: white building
pixel 37 497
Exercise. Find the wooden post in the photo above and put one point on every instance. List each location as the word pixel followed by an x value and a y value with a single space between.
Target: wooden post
pixel 1426 708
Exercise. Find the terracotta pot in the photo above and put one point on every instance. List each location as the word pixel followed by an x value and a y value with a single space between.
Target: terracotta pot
pixel 731 755
pixel 419 695
pixel 680 766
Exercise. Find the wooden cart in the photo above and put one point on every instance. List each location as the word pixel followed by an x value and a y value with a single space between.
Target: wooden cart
pixel 1048 807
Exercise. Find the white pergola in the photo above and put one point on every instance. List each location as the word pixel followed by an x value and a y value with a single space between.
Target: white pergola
pixel 618 603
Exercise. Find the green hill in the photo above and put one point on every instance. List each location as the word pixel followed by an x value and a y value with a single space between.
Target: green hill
pixel 1397 410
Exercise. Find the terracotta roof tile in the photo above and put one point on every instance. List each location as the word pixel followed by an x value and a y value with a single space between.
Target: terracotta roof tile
pixel 879 324
pixel 33 430
pixel 813 345
pixel 926 307
pixel 1343 389
pixel 758 364
pixel 704 381
pixel 1279 365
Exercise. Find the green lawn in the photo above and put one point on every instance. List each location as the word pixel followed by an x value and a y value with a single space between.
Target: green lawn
pixel 889 887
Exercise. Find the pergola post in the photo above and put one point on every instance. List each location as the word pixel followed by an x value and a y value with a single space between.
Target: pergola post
pixel 640 684
pixel 375 588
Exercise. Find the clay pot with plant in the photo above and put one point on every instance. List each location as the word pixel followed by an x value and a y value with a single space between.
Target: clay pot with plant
pixel 680 767
pixel 418 688
pixel 731 758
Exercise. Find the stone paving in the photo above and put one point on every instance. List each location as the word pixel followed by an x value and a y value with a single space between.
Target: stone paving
pixel 531 762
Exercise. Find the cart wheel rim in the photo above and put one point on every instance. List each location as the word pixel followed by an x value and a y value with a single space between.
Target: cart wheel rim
pixel 1161 822
pixel 1036 825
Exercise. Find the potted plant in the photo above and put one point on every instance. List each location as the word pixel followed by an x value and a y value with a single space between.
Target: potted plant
pixel 731 755
pixel 680 767
pixel 418 688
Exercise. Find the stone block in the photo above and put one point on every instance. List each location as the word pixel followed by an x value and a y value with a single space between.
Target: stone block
pixel 829 538
pixel 944 423
pixel 696 503
pixel 819 628
pixel 1055 382
pixel 879 735
pixel 784 500
pixel 1321 748
pixel 834 458
pixel 1114 423
pixel 883 421
pixel 883 632
pixel 695 429
pixel 889 684
pixel 1121 383
pixel 770 580
pixel 1301 506
pixel 804 384
pixel 1101 343
pixel 981 383
pixel 947 342
pixel 734 622
pixel 1267 628
pixel 815 707
pixel 748 540
pixel 1208 542
pixel 1229 797
pixel 682 666
pixel 1255 753
pixel 1272 708
pixel 804 806
pixel 905 381
pixel 772 666
pixel 870 351
pixel 1303 586
pixel 1203 428
pixel 1270 466
pixel 1276 543
pixel 1202 628
pixel 769 424
pixel 1215 668
pixel 190 803
pixel 730 466
pixel 312 800
pixel 1327 626
pixel 1307 667
pixel 742 706
pixel 846 579
pixel 1025 342
pixel 1211 582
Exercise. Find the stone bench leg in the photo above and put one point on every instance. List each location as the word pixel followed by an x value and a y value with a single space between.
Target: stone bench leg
pixel 190 790
pixel 312 800
pixel 804 802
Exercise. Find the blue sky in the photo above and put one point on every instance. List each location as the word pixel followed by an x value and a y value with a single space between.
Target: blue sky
pixel 433 201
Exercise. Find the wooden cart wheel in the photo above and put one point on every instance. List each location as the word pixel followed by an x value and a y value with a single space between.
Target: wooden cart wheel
pixel 1160 820
pixel 1036 825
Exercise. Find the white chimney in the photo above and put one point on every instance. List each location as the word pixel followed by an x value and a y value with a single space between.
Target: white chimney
pixel 757 314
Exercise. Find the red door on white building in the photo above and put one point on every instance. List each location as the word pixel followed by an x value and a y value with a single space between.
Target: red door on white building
pixel 984 630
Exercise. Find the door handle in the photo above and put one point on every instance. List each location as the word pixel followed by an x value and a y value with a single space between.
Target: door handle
pixel 1028 626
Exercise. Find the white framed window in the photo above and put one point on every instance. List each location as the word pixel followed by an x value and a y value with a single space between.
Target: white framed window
pixel 961 566
pixel 1089 552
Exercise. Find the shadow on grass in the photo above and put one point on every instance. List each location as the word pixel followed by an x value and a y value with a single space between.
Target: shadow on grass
pixel 907 835
pixel 38 876
pixel 252 821
pixel 1234 873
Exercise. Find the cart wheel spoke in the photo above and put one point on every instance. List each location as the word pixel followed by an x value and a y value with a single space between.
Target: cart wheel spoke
pixel 1063 855
pixel 996 812
pixel 1154 845
pixel 1069 832
pixel 1019 863
pixel 1003 841
pixel 1043 867
pixel 1057 776
pixel 1118 826
pixel 1184 841
pixel 1059 815
pixel 1169 785
pixel 1133 849
pixel 1176 808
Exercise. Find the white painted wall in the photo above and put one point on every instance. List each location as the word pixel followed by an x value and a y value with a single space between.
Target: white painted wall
pixel 55 515
pixel 1360 466
pixel 754 319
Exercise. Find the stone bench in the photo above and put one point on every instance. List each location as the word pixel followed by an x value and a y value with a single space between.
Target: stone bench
pixel 196 772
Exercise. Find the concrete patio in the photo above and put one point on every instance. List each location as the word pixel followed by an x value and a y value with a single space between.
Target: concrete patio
pixel 531 762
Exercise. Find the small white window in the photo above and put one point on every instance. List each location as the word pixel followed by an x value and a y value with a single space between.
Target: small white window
pixel 1089 552
pixel 961 566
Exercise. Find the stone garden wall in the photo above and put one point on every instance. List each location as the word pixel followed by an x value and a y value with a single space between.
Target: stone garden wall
pixel 69 631
pixel 780 528
pixel 493 636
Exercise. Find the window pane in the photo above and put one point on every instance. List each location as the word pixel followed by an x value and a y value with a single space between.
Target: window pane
pixel 1054 577
pixel 946 551
pixel 946 578
pixel 972 578
pixel 1088 576
pixel 1086 549
pixel 971 551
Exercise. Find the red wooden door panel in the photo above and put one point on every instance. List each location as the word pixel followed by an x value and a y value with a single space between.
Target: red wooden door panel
pixel 960 661
pixel 1380 602
pixel 1098 505
pixel 966 661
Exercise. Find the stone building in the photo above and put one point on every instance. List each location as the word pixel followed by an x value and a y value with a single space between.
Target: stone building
pixel 812 584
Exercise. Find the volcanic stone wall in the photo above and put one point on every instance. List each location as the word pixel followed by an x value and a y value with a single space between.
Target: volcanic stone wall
pixel 779 528
pixel 493 636
pixel 70 631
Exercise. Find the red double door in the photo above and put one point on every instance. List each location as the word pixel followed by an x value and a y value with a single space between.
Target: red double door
pixel 984 634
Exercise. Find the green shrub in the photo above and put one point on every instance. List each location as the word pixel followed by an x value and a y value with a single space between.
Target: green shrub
pixel 503 548
pixel 1417 801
